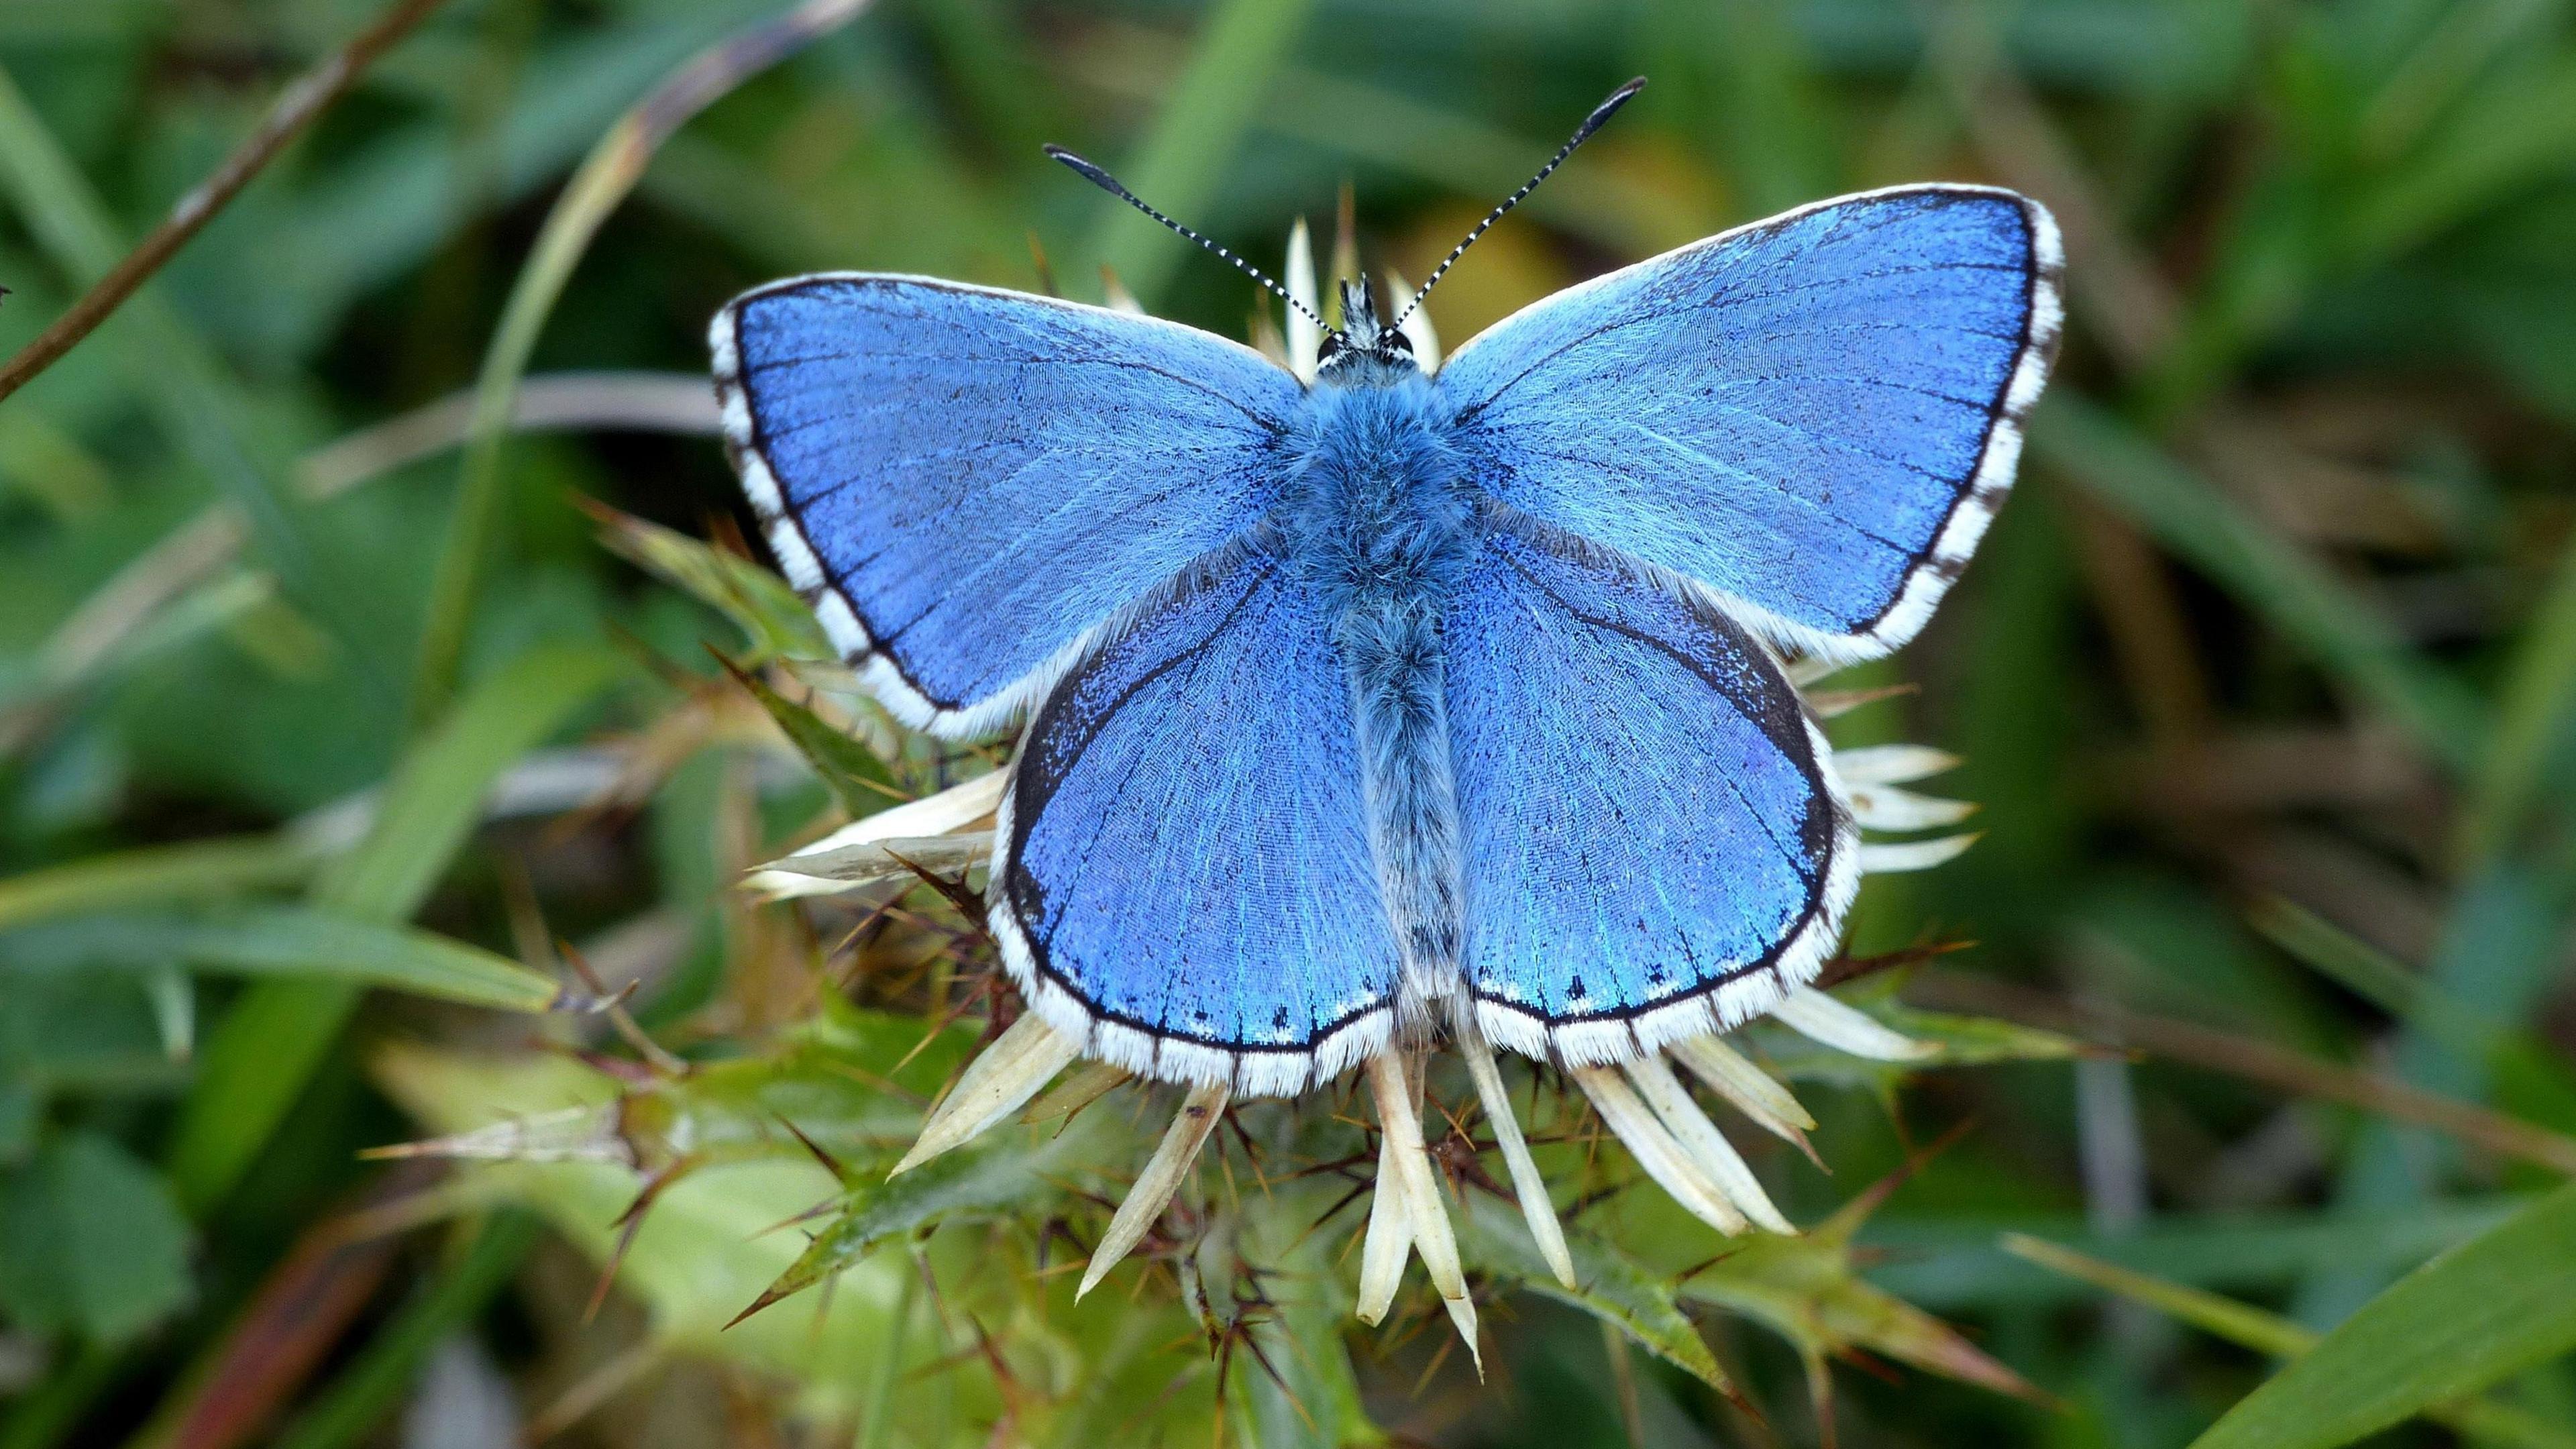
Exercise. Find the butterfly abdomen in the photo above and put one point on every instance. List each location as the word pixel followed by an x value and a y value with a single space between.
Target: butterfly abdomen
pixel 1377 520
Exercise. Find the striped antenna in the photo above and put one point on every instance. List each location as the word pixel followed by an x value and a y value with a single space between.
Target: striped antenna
pixel 1111 184
pixel 1591 123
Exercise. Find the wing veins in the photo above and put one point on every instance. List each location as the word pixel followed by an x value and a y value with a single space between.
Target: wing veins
pixel 1613 626
pixel 1717 304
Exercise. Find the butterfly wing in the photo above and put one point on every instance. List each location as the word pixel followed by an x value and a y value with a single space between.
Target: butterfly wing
pixel 1654 844
pixel 1814 416
pixel 966 482
pixel 1182 877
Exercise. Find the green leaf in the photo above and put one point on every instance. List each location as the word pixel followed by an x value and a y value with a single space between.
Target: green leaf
pixel 1616 1288
pixel 1973 1041
pixel 708 1244
pixel 96 1246
pixel 65 1032
pixel 2476 1315
pixel 994 1177
pixel 1315 1401
pixel 853 1082
pixel 1807 1290
pixel 849 769
pixel 1959 1041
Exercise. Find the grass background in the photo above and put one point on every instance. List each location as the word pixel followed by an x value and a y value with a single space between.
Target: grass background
pixel 2266 680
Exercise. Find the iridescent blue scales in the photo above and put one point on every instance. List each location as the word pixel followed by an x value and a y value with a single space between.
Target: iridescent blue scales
pixel 1387 705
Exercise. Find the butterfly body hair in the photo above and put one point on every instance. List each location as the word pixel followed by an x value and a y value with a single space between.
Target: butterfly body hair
pixel 1378 518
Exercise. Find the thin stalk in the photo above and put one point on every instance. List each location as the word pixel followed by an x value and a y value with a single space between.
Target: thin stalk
pixel 2261 1061
pixel 606 176
pixel 297 108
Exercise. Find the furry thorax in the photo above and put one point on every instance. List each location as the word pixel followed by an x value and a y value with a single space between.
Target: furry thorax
pixel 1377 519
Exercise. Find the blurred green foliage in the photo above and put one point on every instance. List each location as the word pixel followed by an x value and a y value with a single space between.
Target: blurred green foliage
pixel 2266 680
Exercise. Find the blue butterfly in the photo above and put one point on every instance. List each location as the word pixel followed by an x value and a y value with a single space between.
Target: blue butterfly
pixel 1400 699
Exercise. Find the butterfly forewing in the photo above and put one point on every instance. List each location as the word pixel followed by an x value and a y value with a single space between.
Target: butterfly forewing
pixel 965 481
pixel 1813 416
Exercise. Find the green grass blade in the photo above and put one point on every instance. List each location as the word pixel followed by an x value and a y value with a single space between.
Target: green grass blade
pixel 436 795
pixel 1194 140
pixel 303 943
pixel 1950 1264
pixel 154 874
pixel 54 202
pixel 2473 1316
pixel 2276 580
pixel 2373 975
pixel 373 1385
pixel 2536 714
pixel 606 176
pixel 2529 1077
pixel 2209 1312
pixel 2251 1327
pixel 259 1057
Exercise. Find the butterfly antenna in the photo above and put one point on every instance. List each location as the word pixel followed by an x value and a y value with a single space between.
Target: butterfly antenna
pixel 1591 123
pixel 1111 184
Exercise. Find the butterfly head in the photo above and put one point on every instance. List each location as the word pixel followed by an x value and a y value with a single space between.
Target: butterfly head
pixel 1363 343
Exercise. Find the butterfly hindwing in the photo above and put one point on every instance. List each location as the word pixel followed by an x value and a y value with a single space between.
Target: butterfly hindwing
pixel 966 481
pixel 1183 877
pixel 1653 843
pixel 1813 416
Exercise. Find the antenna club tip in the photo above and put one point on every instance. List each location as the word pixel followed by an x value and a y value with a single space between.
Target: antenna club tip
pixel 1611 105
pixel 1081 167
pixel 1604 111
